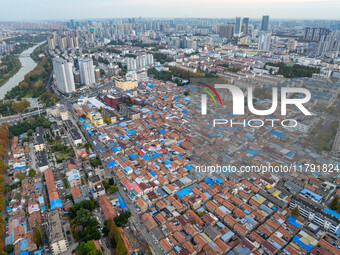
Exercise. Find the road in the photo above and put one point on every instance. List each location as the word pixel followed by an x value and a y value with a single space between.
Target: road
pixel 14 118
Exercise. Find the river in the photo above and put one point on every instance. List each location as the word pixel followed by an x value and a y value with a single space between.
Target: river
pixel 27 65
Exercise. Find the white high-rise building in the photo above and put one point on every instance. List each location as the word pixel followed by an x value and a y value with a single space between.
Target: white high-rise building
pixel 86 70
pixel 131 64
pixel 141 61
pixel 149 59
pixel 264 41
pixel 64 75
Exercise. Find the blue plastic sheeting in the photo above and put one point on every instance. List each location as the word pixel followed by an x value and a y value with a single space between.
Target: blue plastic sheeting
pixel 153 173
pixel 249 136
pixel 111 164
pixel 208 181
pixel 292 220
pixel 122 124
pixel 219 180
pixel 115 149
pixel 189 167
pixel 122 203
pixel 128 169
pixel 185 111
pixel 133 156
pixel 252 152
pixel 277 133
pixel 311 195
pixel 331 212
pixel 23 244
pixel 23 253
pixel 146 156
pixel 81 119
pixel 296 239
pixel 162 131
pixel 289 154
pixel 90 132
pixel 86 125
pixel 56 203
pixel 227 236
pixel 184 192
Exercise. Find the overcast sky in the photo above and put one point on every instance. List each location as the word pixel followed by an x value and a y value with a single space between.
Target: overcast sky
pixel 82 9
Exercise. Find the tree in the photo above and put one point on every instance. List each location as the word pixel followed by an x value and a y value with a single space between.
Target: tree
pixel 37 237
pixel 187 92
pixel 334 204
pixel 296 212
pixel 9 248
pixel 83 217
pixel 107 120
pixel 31 172
pixel 113 189
pixel 122 219
pixel 86 248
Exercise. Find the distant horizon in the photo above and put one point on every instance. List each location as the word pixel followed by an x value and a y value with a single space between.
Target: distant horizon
pixel 164 18
pixel 41 10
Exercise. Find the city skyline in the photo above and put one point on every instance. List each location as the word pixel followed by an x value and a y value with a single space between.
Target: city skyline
pixel 278 9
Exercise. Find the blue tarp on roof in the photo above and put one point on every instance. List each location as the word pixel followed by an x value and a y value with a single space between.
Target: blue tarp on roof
pixel 289 154
pixel 90 132
pixel 133 156
pixel 115 149
pixel 208 181
pixel 189 167
pixel 23 253
pixel 122 203
pixel 152 173
pixel 219 180
pixel 296 239
pixel 185 111
pixel 111 164
pixel 56 203
pixel 252 152
pixel 162 131
pixel 332 212
pixel 23 244
pixel 292 220
pixel 277 133
pixel 184 192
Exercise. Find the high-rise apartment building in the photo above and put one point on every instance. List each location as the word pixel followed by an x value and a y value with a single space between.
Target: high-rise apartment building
pixel 265 23
pixel 245 26
pixel 237 29
pixel 264 41
pixel 131 64
pixel 64 75
pixel 316 34
pixel 226 31
pixel 86 71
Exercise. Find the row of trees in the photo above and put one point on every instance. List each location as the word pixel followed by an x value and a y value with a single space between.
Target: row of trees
pixel 335 204
pixel 326 139
pixel 8 108
pixel 111 230
pixel 28 125
pixel 3 167
pixel 293 71
pixel 9 66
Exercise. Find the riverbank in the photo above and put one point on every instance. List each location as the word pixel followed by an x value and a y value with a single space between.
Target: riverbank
pixel 27 64
pixel 16 67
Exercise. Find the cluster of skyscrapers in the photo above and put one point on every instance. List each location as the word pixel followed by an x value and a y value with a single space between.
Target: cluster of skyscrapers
pixel 64 73
pixel 63 40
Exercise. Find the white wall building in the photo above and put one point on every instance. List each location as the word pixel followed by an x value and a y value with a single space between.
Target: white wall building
pixel 64 75
pixel 264 41
pixel 86 71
